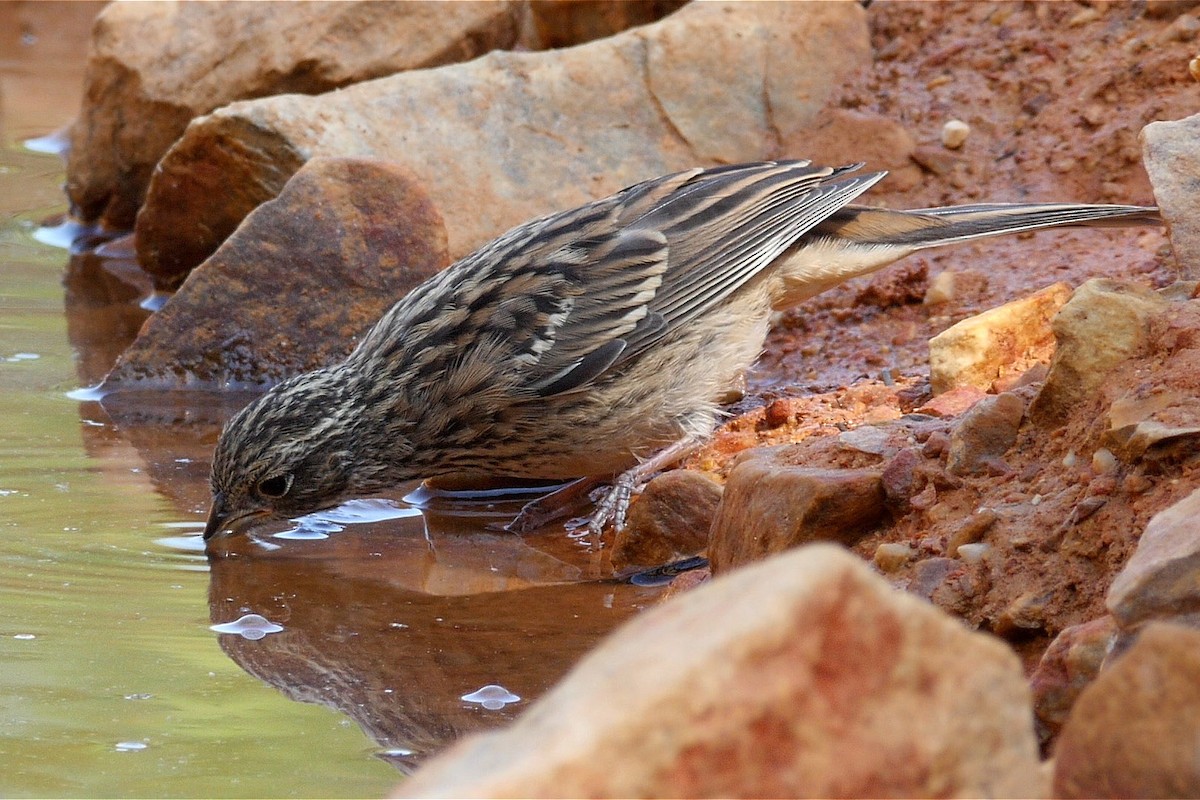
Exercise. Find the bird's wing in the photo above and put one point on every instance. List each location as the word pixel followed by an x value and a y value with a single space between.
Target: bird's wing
pixel 662 253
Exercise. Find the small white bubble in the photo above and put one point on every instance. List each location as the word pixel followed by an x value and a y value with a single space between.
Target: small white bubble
pixel 249 626
pixel 492 697
pixel 130 747
pixel 25 636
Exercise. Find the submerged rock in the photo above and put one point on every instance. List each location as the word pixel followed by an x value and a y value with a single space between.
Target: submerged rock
pixel 1133 732
pixel 154 67
pixel 303 277
pixel 511 136
pixel 820 681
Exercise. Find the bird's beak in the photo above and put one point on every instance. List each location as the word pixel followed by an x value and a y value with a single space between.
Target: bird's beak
pixel 218 515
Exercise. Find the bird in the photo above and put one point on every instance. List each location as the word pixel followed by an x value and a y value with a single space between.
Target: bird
pixel 596 341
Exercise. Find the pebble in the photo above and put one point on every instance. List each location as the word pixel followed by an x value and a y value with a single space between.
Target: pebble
pixel 891 556
pixel 955 133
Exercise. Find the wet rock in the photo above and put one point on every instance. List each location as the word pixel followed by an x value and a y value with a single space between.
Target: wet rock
pixel 1172 157
pixel 1000 342
pixel 156 66
pixel 820 681
pixel 984 434
pixel 1162 577
pixel 1133 732
pixel 714 82
pixel 770 506
pixel 669 521
pixel 1068 666
pixel 564 23
pixel 1104 323
pixel 294 288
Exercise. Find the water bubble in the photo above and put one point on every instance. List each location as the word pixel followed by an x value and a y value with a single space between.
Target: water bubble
pixel 23 357
pixel 130 747
pixel 492 697
pixel 249 626
pixel 25 636
pixel 139 696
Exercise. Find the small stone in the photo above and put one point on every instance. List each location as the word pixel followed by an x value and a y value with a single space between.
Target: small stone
pixel 777 414
pixel 669 521
pixel 1008 339
pixel 955 133
pixel 972 530
pixel 985 434
pixel 1069 665
pixel 1133 731
pixel 953 402
pixel 929 574
pixel 1023 616
pixel 973 553
pixel 1194 68
pixel 1104 462
pixel 820 681
pixel 769 507
pixel 1162 578
pixel 941 288
pixel 891 556
pixel 1103 323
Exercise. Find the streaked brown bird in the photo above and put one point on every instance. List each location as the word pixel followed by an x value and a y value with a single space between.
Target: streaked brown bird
pixel 592 342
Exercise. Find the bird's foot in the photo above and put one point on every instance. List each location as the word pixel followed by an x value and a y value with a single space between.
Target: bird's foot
pixel 614 504
pixel 553 506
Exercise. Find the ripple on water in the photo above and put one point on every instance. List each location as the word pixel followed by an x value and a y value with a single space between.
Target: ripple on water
pixel 248 626
pixel 492 697
pixel 321 524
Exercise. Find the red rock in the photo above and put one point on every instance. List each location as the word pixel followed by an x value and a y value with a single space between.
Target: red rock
pixel 1069 665
pixel 294 288
pixel 819 681
pixel 1133 731
pixel 984 434
pixel 953 402
pixel 154 67
pixel 514 135
pixel 769 507
pixel 669 521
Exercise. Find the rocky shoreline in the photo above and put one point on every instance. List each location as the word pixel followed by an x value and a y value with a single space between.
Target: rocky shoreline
pixel 1007 433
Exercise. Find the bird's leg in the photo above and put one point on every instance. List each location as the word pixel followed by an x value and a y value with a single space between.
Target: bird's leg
pixel 555 505
pixel 615 503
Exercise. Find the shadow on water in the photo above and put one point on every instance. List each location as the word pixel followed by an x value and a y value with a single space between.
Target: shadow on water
pixel 390 613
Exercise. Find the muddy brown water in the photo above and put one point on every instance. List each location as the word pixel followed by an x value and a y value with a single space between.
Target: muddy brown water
pixel 113 682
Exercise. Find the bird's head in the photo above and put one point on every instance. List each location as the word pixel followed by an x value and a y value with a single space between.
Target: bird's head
pixel 289 453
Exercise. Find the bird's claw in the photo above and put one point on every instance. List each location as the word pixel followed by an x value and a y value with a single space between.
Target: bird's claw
pixel 614 505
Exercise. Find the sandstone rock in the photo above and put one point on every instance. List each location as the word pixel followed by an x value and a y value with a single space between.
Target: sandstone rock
pixel 1162 577
pixel 1133 732
pixel 510 136
pixel 769 507
pixel 846 136
pixel 953 402
pixel 984 434
pixel 669 521
pixel 1000 342
pixel 1153 421
pixel 1104 323
pixel 1068 666
pixel 156 66
pixel 1171 152
pixel 304 276
pixel 819 681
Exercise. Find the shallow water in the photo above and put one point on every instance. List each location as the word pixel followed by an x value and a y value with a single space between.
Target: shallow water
pixel 379 629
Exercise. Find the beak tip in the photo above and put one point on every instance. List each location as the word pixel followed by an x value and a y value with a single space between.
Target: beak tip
pixel 217 516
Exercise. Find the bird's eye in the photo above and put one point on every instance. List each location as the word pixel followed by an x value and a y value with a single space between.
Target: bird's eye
pixel 275 487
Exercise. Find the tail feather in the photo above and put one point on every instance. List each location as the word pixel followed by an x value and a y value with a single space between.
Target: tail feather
pixel 933 227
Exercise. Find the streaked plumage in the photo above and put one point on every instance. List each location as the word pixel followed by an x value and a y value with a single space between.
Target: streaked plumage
pixel 584 342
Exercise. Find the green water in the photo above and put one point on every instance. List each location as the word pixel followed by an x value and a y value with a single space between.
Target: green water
pixel 112 682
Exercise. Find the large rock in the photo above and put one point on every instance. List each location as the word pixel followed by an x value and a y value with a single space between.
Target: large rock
pixel 303 277
pixel 1171 152
pixel 1133 733
pixel 511 136
pixel 1104 323
pixel 1000 342
pixel 669 521
pixel 154 67
pixel 1162 577
pixel 770 506
pixel 820 681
